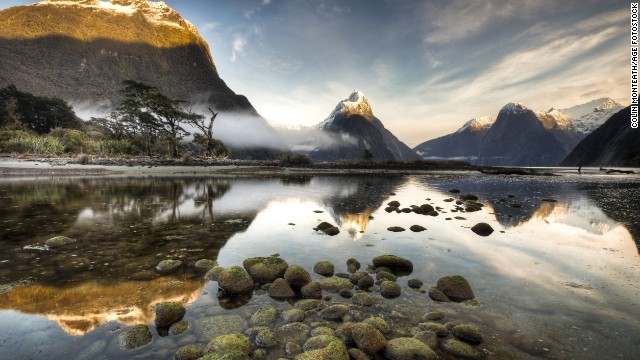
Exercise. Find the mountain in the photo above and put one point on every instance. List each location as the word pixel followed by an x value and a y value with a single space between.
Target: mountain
pixel 567 126
pixel 464 144
pixel 354 129
pixel 614 143
pixel 518 138
pixel 82 50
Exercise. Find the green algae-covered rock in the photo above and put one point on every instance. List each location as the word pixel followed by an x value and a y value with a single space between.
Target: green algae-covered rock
pixel 334 312
pixel 335 284
pixel 168 313
pixel 136 337
pixel 58 241
pixel 455 288
pixel 378 323
pixel 231 343
pixel 168 266
pixel 204 265
pixel 280 289
pixel 189 352
pixel 408 348
pixel 213 273
pixel 312 290
pixel 263 336
pixel 461 349
pixel 368 338
pixel 324 268
pixel 390 289
pixel 437 328
pixel 265 269
pixel 393 262
pixel 292 315
pixel 468 333
pixel 363 299
pixel 179 327
pixel 235 280
pixel 436 295
pixel 297 276
pixel 264 316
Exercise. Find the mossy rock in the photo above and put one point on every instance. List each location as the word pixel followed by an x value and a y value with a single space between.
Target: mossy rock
pixel 428 337
pixel 292 315
pixel 368 338
pixel 461 349
pixel 323 330
pixel 336 350
pixel 437 328
pixel 280 289
pixel 59 241
pixel 455 288
pixel 363 299
pixel 136 337
pixel 189 352
pixel 385 275
pixel 214 273
pixel 408 348
pixel 335 284
pixel 168 266
pixel 263 336
pixel 366 282
pixel 378 323
pixel 168 313
pixel 265 269
pixel 393 262
pixel 293 332
pixel 334 312
pixel 468 333
pixel 436 295
pixel 264 316
pixel 415 283
pixel 211 327
pixel 204 265
pixel 318 342
pixel 390 289
pixel 235 280
pixel 231 343
pixel 324 268
pixel 482 229
pixel 179 327
pixel 307 304
pixel 312 290
pixel 332 231
pixel 297 276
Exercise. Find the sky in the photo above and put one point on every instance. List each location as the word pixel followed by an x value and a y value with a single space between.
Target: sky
pixel 426 67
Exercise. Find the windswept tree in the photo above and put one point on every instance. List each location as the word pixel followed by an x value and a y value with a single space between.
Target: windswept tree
pixel 145 111
pixel 212 146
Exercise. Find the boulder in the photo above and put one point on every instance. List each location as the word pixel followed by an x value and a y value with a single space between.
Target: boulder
pixel 437 295
pixel 213 273
pixel 468 333
pixel 334 284
pixel 408 348
pixel 461 349
pixel 367 338
pixel 280 289
pixel 265 269
pixel 264 316
pixel 455 288
pixel 390 289
pixel 58 241
pixel 312 290
pixel 378 323
pixel 297 276
pixel 363 299
pixel 204 265
pixel 136 337
pixel 393 262
pixel 482 229
pixel 324 268
pixel 235 280
pixel 168 313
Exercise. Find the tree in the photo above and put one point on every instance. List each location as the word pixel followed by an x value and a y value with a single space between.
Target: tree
pixel 213 147
pixel 153 115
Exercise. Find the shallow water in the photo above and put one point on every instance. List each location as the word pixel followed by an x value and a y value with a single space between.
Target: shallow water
pixel 556 280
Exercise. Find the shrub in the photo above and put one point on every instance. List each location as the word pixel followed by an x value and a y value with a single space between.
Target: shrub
pixel 295 159
pixel 116 147
pixel 74 141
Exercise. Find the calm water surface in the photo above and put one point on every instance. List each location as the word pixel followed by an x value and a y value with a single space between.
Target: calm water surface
pixel 556 280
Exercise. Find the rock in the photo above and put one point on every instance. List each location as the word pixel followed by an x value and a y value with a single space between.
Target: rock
pixel 58 241
pixel 334 284
pixel 332 231
pixel 378 323
pixel 428 337
pixel 437 295
pixel 433 315
pixel 334 351
pixel 437 328
pixel 455 288
pixel 417 228
pixel 344 332
pixel 469 197
pixel 280 289
pixel 168 266
pixel 396 229
pixel 204 265
pixel 384 275
pixel 468 333
pixel 214 273
pixel 318 342
pixel 368 338
pixel 263 337
pixel 355 277
pixel 390 289
pixel 323 225
pixel 308 304
pixel 235 280
pixel 324 268
pixel 347 294
pixel 136 337
pixel 363 299
pixel 415 283
pixel 179 327
pixel 323 330
pixel 293 332
pixel 366 282
pixel 292 349
pixel 297 276
pixel 357 354
pixel 393 262
pixel 232 344
pixel 406 210
pixel 334 312
pixel 454 191
pixel 353 264
pixel 515 205
pixel 168 313
pixel 394 203
pixel 460 349
pixel 312 290
pixel 482 229
pixel 264 316
pixel 408 348
pixel 390 209
pixel 292 315
pixel 265 269
pixel 189 352
pixel 211 327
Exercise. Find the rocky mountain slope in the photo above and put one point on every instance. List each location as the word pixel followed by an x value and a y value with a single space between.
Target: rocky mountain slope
pixel 82 50
pixel 614 143
pixel 354 128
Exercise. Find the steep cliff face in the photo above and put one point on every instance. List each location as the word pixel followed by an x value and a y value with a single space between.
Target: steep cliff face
pixel 82 50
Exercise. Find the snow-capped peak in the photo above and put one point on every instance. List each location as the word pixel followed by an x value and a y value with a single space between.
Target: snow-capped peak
pixel 154 11
pixel 355 104
pixel 477 124
pixel 513 108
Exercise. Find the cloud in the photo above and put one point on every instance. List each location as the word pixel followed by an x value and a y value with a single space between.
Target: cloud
pixel 239 43
pixel 210 26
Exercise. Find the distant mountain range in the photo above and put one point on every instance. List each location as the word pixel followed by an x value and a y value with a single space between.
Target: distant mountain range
pixel 354 129
pixel 520 136
pixel 614 143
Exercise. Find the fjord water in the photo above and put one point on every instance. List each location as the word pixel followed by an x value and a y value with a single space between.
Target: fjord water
pixel 555 280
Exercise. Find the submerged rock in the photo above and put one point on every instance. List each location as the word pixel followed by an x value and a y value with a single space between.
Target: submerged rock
pixel 265 269
pixel 428 337
pixel 468 333
pixel 436 295
pixel 318 342
pixel 264 316
pixel 179 327
pixel 335 350
pixel 408 348
pixel 168 313
pixel 204 265
pixel 437 328
pixel 58 241
pixel 312 290
pixel 213 273
pixel 262 336
pixel 482 229
pixel 334 312
pixel 136 337
pixel 415 283
pixel 455 288
pixel 417 228
pixel 235 280
pixel 168 266
pixel 334 284
pixel 363 299
pixel 324 268
pixel 378 323
pixel 189 352
pixel 292 315
pixel 461 349
pixel 390 289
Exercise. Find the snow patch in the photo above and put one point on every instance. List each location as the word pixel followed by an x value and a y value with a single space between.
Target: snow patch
pixel 355 104
pixel 477 124
pixel 514 109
